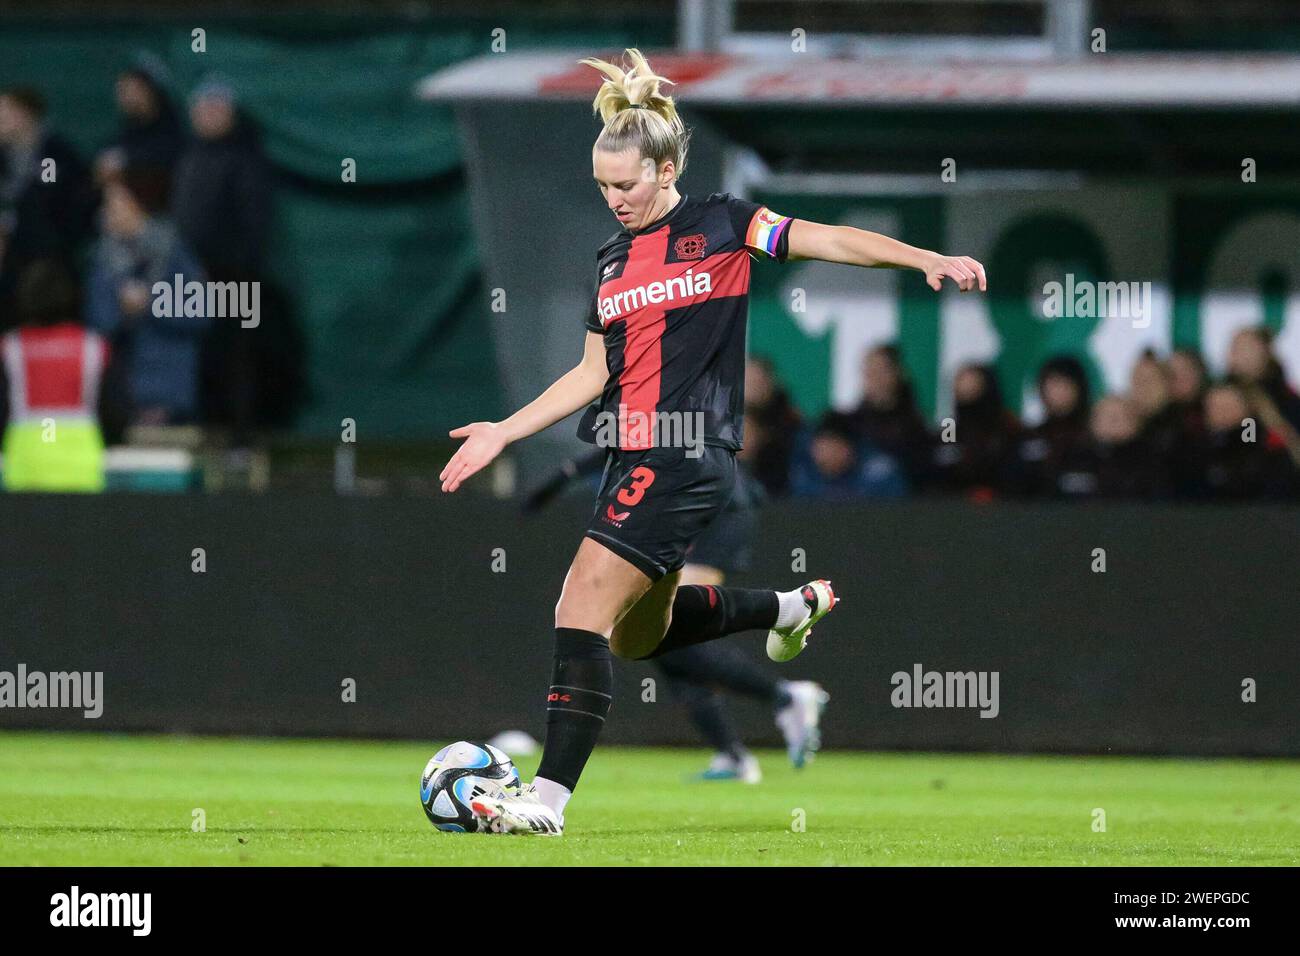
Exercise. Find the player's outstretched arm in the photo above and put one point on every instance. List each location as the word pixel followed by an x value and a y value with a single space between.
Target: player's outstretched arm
pixel 857 247
pixel 485 440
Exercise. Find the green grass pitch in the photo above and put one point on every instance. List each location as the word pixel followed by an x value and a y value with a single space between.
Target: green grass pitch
pixel 100 799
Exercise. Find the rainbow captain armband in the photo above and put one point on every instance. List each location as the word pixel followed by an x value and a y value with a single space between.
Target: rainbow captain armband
pixel 765 232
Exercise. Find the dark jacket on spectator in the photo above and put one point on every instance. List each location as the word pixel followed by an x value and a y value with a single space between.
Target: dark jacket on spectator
pixel 162 353
pixel 1165 433
pixel 1223 467
pixel 899 431
pixel 984 436
pixel 1275 387
pixel 770 433
pixel 221 202
pixel 1112 470
pixel 1042 451
pixel 1168 437
pixel 1190 417
pixel 872 474
pixel 155 143
pixel 42 220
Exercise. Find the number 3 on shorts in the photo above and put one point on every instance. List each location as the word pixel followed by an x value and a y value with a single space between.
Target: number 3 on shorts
pixel 642 478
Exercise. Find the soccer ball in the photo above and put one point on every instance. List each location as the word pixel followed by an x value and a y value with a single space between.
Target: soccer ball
pixel 456 775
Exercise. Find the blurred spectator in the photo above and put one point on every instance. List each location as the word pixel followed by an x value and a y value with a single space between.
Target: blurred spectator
pixel 222 199
pixel 1163 430
pixel 1225 464
pixel 222 206
pixel 984 433
pixel 834 465
pixel 139 248
pixel 1253 367
pixel 151 134
pixel 771 426
pixel 49 385
pixel 46 209
pixel 887 416
pixel 1036 464
pixel 1115 462
pixel 1187 381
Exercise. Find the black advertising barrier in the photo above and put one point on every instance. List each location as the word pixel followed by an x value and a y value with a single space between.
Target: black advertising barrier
pixel 441 612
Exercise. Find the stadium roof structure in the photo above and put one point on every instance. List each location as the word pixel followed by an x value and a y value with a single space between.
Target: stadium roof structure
pixel 1104 80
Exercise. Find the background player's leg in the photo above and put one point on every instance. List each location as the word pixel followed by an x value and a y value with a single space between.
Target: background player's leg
pixel 694 573
pixel 725 666
pixel 708 713
pixel 704 707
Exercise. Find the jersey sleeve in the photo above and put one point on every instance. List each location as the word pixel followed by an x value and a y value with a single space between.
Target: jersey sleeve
pixel 593 315
pixel 763 232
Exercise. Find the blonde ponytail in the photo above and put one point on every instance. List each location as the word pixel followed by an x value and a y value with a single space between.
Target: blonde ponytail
pixel 636 115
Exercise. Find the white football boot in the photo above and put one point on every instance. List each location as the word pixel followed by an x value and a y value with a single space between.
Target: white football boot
pixel 785 644
pixel 799 720
pixel 518 812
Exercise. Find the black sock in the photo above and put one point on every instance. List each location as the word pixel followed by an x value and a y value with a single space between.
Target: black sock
pixel 724 665
pixel 702 612
pixel 582 686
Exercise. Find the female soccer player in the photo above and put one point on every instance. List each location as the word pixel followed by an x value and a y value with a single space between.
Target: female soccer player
pixel 665 356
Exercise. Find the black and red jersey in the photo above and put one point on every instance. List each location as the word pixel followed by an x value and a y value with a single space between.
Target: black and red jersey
pixel 672 302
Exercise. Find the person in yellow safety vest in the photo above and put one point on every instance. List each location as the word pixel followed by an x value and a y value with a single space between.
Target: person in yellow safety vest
pixel 53 367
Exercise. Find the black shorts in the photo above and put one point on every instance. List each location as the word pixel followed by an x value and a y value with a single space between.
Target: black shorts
pixel 654 503
pixel 728 543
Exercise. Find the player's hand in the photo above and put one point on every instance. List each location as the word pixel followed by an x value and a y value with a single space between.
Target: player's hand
pixel 965 271
pixel 483 442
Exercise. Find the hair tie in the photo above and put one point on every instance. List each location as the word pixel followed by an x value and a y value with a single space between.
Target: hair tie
pixel 637 106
